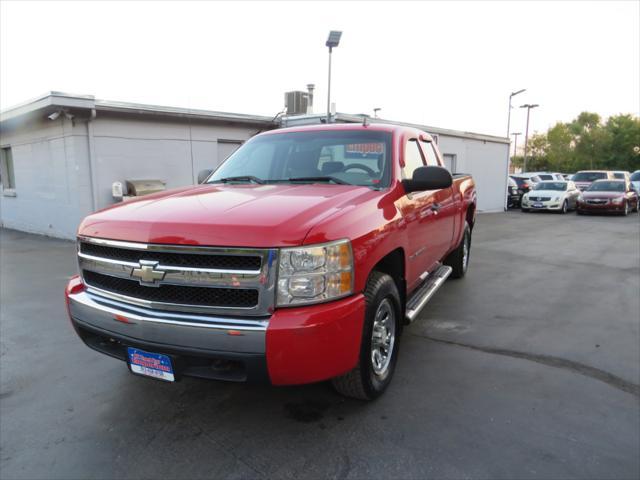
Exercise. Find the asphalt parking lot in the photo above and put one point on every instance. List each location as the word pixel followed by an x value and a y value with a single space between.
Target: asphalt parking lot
pixel 527 368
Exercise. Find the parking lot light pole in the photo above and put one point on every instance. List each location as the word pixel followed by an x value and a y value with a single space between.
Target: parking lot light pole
pixel 528 106
pixel 506 179
pixel 513 94
pixel 515 142
pixel 332 41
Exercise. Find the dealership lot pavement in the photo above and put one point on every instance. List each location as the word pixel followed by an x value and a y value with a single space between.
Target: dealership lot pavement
pixel 528 368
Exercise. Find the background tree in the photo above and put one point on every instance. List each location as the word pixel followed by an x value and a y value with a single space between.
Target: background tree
pixel 586 143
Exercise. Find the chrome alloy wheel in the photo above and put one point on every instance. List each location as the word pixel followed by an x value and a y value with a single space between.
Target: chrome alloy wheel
pixel 383 337
pixel 465 253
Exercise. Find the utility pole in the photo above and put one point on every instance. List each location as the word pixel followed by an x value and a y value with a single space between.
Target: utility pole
pixel 506 177
pixel 528 106
pixel 515 142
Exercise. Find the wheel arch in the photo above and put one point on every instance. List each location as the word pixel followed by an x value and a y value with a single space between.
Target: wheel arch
pixel 394 265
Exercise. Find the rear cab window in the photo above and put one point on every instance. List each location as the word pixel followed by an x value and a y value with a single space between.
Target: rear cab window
pixel 429 154
pixel 412 158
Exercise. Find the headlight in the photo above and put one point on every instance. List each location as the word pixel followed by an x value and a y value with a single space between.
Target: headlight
pixel 315 274
pixel 617 201
pixel 556 199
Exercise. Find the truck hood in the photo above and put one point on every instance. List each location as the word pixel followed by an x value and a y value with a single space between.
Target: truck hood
pixel 225 215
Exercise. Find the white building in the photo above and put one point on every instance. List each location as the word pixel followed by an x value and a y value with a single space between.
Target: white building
pixel 61 154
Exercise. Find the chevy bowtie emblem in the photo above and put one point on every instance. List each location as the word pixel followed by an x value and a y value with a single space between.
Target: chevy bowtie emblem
pixel 147 274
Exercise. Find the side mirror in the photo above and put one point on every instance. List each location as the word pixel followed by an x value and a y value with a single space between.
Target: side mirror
pixel 428 178
pixel 203 175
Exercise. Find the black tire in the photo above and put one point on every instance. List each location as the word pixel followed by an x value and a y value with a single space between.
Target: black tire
pixel 625 212
pixel 524 210
pixel 457 259
pixel 363 382
pixel 565 207
pixel 579 212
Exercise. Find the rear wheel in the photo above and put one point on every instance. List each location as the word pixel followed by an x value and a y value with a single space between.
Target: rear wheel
pixel 458 260
pixel 380 342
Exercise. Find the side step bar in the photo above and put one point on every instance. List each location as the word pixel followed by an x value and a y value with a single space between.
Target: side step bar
pixel 425 291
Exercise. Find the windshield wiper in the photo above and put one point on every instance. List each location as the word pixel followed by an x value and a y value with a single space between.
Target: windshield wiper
pixel 318 179
pixel 239 178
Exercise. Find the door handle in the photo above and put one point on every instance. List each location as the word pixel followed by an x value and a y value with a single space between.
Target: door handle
pixel 435 207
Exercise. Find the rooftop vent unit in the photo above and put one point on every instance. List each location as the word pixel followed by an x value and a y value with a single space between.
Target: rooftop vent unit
pixel 298 102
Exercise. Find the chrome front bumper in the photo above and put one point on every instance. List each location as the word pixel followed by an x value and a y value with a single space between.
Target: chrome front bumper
pixel 207 333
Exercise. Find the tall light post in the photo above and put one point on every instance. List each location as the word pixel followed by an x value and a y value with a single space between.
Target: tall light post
pixel 332 41
pixel 515 142
pixel 513 94
pixel 506 177
pixel 528 106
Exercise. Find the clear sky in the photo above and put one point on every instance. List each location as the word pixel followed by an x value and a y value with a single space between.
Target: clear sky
pixel 449 65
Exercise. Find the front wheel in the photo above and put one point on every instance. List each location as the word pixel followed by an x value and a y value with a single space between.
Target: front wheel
pixel 380 342
pixel 565 207
pixel 625 212
pixel 525 210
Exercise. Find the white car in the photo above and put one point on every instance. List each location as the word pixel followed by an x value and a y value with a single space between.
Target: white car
pixel 635 180
pixel 621 175
pixel 558 196
pixel 542 176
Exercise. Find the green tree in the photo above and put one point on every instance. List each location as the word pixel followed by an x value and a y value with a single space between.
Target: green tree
pixel 586 143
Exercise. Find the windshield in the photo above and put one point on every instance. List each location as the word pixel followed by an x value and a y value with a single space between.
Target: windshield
pixel 551 186
pixel 588 176
pixel 606 187
pixel 545 177
pixel 619 175
pixel 347 157
pixel 636 176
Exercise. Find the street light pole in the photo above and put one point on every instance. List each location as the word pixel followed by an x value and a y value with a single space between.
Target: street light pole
pixel 528 106
pixel 332 41
pixel 506 177
pixel 515 142
pixel 513 94
pixel 329 89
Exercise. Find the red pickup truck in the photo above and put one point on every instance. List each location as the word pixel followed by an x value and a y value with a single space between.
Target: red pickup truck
pixel 298 260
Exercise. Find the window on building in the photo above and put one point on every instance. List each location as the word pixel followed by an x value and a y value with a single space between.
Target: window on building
pixel 412 159
pixel 7 177
pixel 429 154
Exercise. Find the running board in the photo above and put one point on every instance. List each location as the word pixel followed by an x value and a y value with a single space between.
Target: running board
pixel 425 291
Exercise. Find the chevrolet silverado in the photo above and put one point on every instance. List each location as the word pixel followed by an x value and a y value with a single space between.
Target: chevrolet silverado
pixel 298 260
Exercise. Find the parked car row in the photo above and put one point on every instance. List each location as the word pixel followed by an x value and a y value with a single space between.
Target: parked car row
pixel 551 190
pixel 602 196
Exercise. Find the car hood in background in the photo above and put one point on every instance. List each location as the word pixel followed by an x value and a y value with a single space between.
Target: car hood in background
pixel 602 194
pixel 546 193
pixel 225 215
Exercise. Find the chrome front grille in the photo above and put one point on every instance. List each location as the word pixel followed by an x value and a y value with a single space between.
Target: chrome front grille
pixel 539 199
pixel 597 201
pixel 231 281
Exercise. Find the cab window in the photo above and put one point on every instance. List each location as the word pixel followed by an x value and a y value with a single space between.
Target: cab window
pixel 412 159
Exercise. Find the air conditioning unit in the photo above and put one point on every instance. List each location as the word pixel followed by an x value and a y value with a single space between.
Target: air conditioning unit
pixel 296 102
